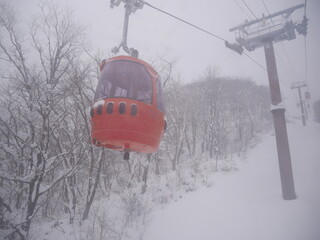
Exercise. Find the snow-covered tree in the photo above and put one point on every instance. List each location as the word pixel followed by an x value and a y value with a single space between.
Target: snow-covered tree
pixel 40 145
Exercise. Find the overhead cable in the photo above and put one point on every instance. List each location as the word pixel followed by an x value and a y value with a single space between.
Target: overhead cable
pixel 184 21
pixel 255 61
pixel 199 28
pixel 249 8
pixel 284 49
pixel 305 43
pixel 242 9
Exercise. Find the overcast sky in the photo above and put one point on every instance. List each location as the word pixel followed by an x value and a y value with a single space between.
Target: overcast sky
pixel 155 34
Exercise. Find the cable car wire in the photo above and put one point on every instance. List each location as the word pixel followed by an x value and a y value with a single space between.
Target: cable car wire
pixel 285 52
pixel 255 61
pixel 184 21
pixel 284 82
pixel 199 28
pixel 306 59
pixel 305 45
pixel 242 9
pixel 265 6
pixel 284 49
pixel 247 54
pixel 249 9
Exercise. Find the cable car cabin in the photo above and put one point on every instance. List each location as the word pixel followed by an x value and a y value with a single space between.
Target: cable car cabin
pixel 128 109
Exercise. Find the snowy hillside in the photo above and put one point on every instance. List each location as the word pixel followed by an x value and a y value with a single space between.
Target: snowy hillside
pixel 247 204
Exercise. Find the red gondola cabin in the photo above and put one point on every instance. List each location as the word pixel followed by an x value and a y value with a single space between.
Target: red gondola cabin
pixel 128 109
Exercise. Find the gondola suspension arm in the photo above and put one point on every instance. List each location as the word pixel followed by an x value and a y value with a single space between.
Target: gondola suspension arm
pixel 130 7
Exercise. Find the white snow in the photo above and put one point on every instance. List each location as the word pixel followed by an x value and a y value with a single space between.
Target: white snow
pixel 99 102
pixel 248 204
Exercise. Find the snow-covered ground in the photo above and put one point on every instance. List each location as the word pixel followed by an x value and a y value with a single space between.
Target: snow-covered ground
pixel 247 204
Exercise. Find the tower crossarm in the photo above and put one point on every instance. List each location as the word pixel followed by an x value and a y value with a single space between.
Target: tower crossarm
pixel 275 27
pixel 285 13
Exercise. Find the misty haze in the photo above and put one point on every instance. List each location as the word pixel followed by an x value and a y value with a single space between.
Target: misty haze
pixel 159 120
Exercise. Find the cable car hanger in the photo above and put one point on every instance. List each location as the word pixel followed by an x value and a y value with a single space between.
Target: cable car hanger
pixel 130 6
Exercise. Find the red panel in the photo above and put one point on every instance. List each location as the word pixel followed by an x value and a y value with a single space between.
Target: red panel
pixel 140 133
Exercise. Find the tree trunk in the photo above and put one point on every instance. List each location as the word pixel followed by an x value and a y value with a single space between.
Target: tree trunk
pixel 145 175
pixel 92 187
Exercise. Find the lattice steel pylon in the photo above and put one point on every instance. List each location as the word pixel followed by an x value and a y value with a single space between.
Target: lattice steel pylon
pixel 263 32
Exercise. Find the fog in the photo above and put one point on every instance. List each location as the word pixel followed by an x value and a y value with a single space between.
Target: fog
pixel 154 34
pixel 55 183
